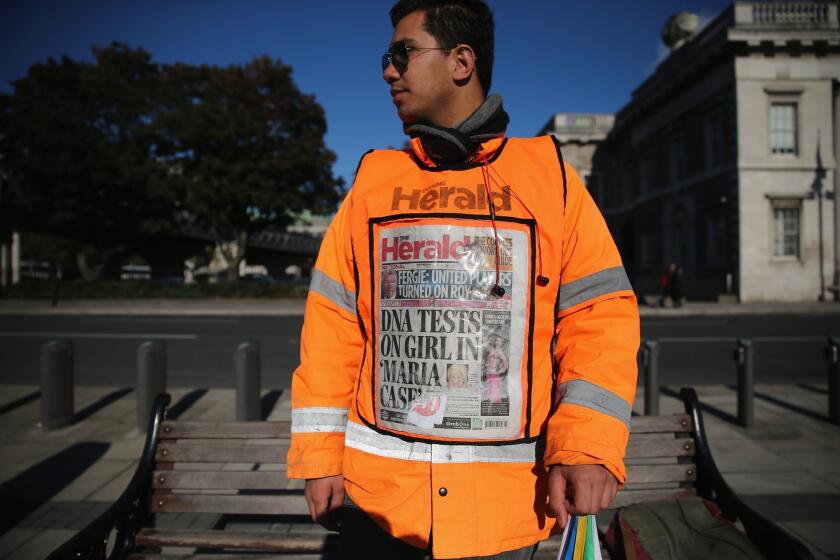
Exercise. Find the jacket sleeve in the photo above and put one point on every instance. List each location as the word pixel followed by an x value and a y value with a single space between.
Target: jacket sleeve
pixel 331 353
pixel 597 338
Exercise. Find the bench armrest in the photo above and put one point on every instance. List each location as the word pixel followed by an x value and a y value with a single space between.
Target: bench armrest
pixel 768 537
pixel 128 514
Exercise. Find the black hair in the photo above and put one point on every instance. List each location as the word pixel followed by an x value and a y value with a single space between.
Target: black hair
pixel 454 22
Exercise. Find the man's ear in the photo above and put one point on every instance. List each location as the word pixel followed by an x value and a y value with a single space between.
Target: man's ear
pixel 463 62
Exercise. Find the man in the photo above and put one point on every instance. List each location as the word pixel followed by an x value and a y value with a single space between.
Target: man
pixel 513 246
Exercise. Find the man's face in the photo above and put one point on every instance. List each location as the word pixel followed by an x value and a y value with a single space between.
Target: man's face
pixel 390 285
pixel 425 86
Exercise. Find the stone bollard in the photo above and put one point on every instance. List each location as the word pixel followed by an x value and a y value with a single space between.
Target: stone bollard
pixel 746 382
pixel 57 384
pixel 650 361
pixel 248 404
pixel 151 379
pixel 833 359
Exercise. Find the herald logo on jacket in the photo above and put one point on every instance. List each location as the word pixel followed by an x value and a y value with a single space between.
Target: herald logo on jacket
pixel 442 196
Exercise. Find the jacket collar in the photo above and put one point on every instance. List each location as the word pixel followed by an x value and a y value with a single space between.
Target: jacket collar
pixel 464 144
pixel 487 151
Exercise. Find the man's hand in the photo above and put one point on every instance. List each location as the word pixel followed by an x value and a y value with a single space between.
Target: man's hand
pixel 325 496
pixel 579 489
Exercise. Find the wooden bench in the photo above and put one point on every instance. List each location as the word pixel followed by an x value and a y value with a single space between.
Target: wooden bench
pixel 231 475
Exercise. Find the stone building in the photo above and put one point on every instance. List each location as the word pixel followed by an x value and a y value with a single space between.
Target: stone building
pixel 726 154
pixel 579 135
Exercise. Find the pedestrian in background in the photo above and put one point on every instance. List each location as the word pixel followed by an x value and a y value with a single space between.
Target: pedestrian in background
pixel 665 283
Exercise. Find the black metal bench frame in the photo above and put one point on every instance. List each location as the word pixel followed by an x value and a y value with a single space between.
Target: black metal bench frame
pixel 122 521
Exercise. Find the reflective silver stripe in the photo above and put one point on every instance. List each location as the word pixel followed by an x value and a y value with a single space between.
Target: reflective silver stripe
pixel 600 283
pixel 364 439
pixel 318 419
pixel 333 291
pixel 370 441
pixel 584 393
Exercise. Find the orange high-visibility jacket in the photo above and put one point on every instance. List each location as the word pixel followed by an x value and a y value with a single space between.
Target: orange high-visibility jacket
pixel 440 398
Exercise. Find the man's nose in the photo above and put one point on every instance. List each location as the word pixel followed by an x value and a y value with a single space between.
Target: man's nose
pixel 390 74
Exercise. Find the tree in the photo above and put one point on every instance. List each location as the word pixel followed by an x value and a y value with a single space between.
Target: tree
pixel 243 148
pixel 75 136
pixel 114 153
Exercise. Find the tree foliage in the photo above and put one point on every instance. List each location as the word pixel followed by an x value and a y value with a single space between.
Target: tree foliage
pixel 112 152
pixel 245 148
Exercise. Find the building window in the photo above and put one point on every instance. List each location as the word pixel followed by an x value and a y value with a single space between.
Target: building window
pixel 716 235
pixel 628 185
pixel 647 248
pixel 678 235
pixel 678 157
pixel 786 231
pixel 715 139
pixel 783 128
pixel 646 173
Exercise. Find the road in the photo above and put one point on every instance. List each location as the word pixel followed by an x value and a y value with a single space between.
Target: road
pixel 694 350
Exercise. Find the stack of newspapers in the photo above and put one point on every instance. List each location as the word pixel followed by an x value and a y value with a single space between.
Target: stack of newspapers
pixel 580 539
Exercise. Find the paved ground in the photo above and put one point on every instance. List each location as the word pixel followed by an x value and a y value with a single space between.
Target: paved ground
pixel 51 484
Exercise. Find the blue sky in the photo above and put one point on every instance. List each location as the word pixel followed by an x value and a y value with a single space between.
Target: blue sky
pixel 551 56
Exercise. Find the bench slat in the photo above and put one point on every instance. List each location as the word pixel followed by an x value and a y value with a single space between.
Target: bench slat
pixel 280 504
pixel 221 453
pixel 626 498
pixel 638 474
pixel 660 448
pixel 667 423
pixel 250 480
pixel 255 540
pixel 220 430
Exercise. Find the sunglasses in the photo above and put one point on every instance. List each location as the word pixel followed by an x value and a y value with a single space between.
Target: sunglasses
pixel 397 54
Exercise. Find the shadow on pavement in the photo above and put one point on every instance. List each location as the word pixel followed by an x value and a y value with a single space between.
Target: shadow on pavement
pixel 812 388
pixel 98 405
pixel 799 507
pixel 184 403
pixel 723 415
pixel 17 403
pixel 35 486
pixel 792 407
pixel 268 401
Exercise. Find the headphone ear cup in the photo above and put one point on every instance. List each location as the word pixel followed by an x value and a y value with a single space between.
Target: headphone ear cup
pixel 447 145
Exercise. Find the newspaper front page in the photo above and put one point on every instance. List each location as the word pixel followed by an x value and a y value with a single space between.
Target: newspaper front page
pixel 450 353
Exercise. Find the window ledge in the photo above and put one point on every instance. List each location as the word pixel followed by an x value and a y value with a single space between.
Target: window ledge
pixel 783 196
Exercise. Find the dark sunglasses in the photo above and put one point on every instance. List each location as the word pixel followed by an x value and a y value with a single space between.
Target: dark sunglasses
pixel 397 54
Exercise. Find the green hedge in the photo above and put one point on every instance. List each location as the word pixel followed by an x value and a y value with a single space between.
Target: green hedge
pixel 128 289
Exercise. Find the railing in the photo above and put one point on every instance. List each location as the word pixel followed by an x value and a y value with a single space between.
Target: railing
pixel 743 357
pixel 790 12
pixel 36 270
pixel 57 379
pixel 796 15
pixel 58 382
